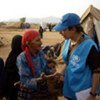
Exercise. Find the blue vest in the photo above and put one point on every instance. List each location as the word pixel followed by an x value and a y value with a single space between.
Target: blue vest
pixel 78 76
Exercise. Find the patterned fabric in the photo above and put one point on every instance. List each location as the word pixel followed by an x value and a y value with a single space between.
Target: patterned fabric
pixel 29 59
pixel 28 36
pixel 26 77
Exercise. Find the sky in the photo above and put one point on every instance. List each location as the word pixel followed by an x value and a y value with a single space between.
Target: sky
pixel 13 9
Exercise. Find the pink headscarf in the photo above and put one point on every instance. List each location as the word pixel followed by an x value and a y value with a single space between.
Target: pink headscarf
pixel 29 35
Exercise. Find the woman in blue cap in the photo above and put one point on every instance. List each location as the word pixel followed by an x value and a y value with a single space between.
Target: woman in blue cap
pixel 80 53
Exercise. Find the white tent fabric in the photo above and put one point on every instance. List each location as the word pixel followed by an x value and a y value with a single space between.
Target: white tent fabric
pixel 97 26
pixel 91 10
pixel 90 21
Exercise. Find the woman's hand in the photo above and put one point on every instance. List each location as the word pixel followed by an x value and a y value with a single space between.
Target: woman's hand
pixel 39 79
pixel 91 97
pixel 48 77
pixel 58 76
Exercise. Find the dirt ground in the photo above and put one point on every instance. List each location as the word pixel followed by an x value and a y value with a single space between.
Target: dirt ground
pixel 6 35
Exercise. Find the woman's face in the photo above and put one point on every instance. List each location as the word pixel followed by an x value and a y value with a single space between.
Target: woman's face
pixel 35 44
pixel 67 33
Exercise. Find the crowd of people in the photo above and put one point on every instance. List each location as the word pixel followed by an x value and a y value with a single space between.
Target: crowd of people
pixel 28 71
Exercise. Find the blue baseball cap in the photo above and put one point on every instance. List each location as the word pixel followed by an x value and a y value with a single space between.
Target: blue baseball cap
pixel 68 20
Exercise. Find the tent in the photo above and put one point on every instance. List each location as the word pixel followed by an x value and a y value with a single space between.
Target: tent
pixel 90 21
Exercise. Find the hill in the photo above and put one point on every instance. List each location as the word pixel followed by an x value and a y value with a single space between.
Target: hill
pixel 38 20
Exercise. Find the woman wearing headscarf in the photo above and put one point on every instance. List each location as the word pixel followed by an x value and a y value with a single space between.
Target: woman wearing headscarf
pixel 32 66
pixel 11 70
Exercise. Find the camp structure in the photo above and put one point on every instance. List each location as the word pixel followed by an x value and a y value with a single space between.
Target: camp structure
pixel 90 21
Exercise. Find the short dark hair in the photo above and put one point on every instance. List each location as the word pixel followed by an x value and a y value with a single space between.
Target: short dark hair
pixel 79 28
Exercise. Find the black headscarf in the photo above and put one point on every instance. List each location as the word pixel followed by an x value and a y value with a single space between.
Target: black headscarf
pixel 11 70
pixel 16 49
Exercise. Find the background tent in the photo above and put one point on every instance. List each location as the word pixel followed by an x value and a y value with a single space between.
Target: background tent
pixel 90 21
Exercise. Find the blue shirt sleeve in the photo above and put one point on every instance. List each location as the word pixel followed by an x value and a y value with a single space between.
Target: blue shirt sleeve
pixel 25 74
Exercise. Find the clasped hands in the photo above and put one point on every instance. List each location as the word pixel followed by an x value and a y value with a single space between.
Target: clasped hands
pixel 55 76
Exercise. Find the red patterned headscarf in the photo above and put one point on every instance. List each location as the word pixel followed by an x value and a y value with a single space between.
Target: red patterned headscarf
pixel 29 35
